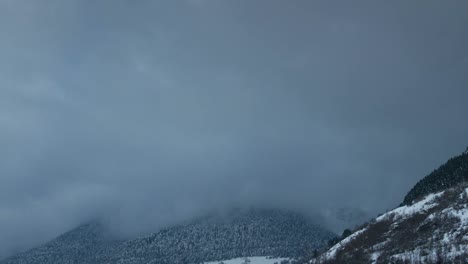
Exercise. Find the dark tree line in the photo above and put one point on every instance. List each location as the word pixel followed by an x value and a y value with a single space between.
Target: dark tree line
pixel 452 173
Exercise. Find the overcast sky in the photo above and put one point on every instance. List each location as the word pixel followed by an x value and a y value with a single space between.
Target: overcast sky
pixel 150 112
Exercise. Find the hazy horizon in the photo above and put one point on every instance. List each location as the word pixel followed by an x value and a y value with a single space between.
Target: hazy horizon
pixel 152 112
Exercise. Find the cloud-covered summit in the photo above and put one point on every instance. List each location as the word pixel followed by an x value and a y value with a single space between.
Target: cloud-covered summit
pixel 151 112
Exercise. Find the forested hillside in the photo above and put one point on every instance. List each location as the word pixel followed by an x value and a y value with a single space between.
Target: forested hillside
pixel 217 237
pixel 448 175
pixel 238 234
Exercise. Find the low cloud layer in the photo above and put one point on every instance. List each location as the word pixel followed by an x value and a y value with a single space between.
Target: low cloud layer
pixel 150 112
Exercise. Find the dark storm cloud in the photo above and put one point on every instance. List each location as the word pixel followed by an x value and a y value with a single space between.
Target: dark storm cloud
pixel 150 112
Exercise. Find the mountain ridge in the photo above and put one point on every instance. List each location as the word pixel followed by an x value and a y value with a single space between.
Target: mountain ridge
pixel 454 171
pixel 253 232
pixel 431 226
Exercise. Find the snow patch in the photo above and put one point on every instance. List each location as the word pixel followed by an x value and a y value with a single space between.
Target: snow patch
pixel 409 210
pixel 375 256
pixel 253 260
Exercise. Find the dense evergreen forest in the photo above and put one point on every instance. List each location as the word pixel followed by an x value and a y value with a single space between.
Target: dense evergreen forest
pixel 453 172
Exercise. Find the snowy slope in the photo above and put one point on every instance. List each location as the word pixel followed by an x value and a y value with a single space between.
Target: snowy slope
pixel 253 260
pixel 430 230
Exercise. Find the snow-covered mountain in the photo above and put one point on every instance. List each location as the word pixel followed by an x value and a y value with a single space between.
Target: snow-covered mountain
pixel 430 230
pixel 431 226
pixel 240 233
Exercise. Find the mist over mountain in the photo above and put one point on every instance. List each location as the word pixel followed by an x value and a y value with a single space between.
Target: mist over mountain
pixel 147 114
pixel 215 237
